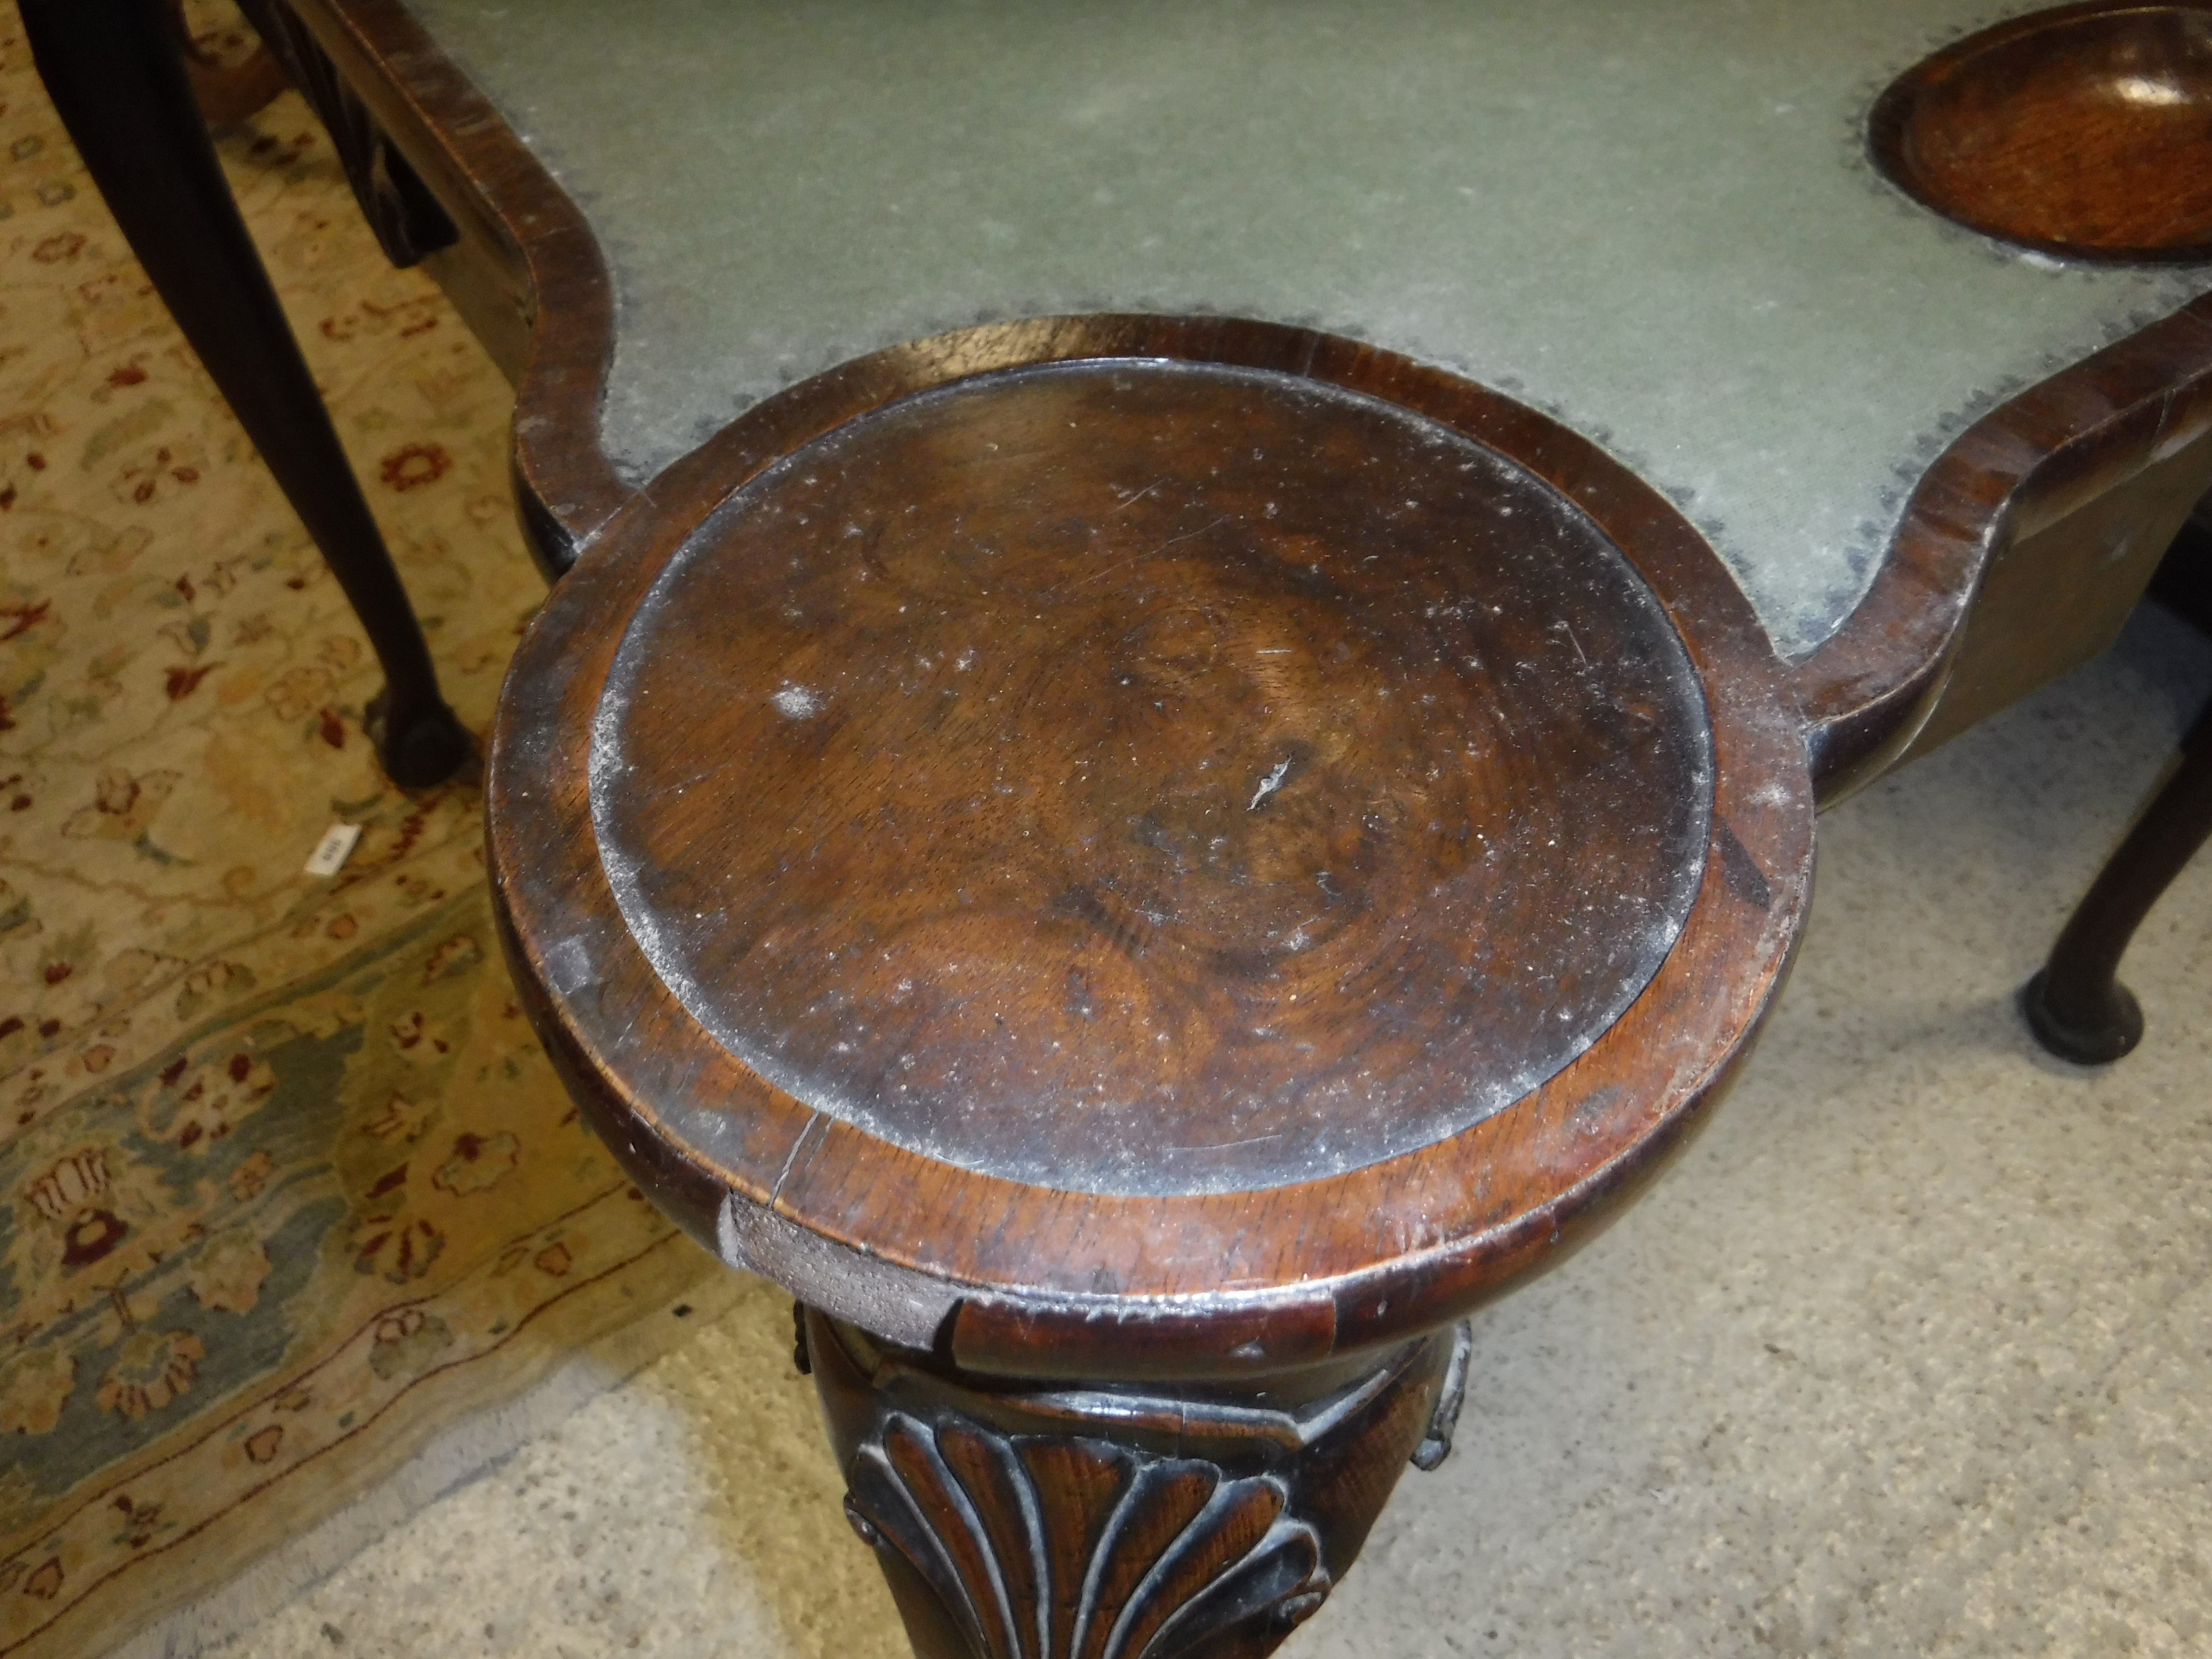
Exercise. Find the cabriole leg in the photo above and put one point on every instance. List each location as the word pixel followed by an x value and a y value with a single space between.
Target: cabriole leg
pixel 113 70
pixel 1162 1522
pixel 2076 1006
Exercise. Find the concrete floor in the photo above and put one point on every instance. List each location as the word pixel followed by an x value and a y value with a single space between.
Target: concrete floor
pixel 1912 1354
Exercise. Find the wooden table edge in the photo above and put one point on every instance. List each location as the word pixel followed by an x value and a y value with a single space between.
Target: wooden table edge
pixel 1869 689
pixel 531 279
pixel 526 273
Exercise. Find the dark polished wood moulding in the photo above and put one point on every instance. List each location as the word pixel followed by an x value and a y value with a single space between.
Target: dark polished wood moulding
pixel 2080 132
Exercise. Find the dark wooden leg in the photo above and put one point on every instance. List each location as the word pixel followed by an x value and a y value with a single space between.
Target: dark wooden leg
pixel 1204 1522
pixel 113 70
pixel 2076 1006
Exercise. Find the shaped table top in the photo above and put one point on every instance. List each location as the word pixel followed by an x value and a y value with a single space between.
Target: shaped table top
pixel 1656 222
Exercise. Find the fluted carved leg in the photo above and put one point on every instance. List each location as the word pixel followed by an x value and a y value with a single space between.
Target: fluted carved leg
pixel 1192 1522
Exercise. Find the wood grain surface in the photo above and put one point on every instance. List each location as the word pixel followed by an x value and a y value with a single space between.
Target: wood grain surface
pixel 1024 1276
pixel 2085 131
pixel 1152 779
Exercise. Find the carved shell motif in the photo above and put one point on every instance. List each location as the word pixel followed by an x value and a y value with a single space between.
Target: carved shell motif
pixel 1052 1547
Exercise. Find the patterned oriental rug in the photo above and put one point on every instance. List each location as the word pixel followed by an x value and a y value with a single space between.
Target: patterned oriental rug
pixel 286 1186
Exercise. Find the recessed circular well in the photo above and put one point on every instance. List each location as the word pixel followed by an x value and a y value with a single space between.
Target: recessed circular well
pixel 1152 778
pixel 2085 131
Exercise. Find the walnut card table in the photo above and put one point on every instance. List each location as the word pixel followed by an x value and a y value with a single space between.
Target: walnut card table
pixel 1195 646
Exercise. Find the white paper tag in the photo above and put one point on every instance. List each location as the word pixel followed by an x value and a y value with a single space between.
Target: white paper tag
pixel 334 849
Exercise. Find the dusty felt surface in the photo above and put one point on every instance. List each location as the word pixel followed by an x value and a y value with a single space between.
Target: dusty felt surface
pixel 1655 220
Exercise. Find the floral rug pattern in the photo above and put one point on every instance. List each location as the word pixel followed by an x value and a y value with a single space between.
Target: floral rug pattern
pixel 285 1180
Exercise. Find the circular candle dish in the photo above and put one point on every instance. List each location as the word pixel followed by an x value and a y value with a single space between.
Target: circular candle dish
pixel 2084 132
pixel 1172 817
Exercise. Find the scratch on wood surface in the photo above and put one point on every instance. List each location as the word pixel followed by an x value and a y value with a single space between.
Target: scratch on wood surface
pixel 1138 558
pixel 1268 784
pixel 1132 498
